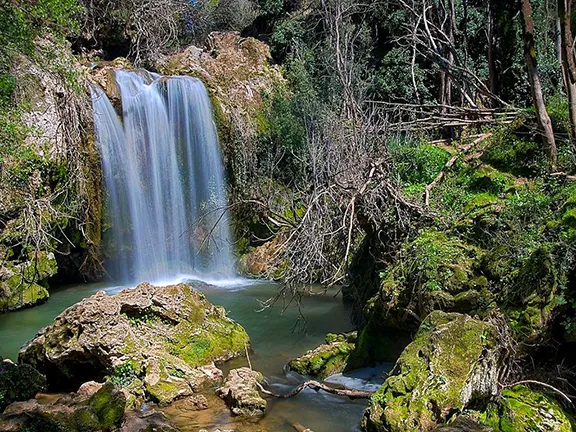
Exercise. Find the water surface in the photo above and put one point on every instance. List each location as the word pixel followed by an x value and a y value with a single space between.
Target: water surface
pixel 274 343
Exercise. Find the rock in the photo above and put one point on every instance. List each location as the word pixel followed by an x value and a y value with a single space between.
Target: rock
pixel 150 421
pixel 20 283
pixel 453 362
pixel 328 359
pixel 18 383
pixel 523 410
pixel 156 342
pixel 104 410
pixel 109 404
pixel 240 392
pixel 464 424
pixel 434 271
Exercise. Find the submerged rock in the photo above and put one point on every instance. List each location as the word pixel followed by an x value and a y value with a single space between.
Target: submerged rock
pixel 150 421
pixel 453 362
pixel 18 383
pixel 240 392
pixel 159 342
pixel 328 359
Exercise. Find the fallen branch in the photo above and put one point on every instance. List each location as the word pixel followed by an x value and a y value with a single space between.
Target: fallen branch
pixel 352 394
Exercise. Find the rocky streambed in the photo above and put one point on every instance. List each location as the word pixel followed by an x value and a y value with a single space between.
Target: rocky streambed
pixel 165 351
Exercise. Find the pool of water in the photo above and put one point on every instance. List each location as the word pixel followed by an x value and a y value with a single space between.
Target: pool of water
pixel 275 337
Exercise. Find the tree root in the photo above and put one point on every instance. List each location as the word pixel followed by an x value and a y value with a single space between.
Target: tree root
pixel 352 394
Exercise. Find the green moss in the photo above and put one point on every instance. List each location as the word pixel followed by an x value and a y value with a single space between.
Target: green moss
pixel 109 404
pixel 523 410
pixel 430 377
pixel 326 360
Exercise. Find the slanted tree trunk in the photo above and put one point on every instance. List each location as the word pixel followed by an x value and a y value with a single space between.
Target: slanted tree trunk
pixel 568 64
pixel 531 64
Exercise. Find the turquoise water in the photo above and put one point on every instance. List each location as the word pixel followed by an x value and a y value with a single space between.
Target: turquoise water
pixel 275 340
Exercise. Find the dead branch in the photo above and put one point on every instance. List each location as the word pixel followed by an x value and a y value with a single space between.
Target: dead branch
pixel 352 394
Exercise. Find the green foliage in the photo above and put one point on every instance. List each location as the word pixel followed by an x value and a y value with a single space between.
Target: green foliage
pixel 282 137
pixel 286 38
pixel 124 375
pixel 415 162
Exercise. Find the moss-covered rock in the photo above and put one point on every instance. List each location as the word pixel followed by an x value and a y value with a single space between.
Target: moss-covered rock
pixel 108 404
pixel 157 342
pixel 21 285
pixel 453 362
pixel 523 410
pixel 428 273
pixel 327 359
pixel 18 383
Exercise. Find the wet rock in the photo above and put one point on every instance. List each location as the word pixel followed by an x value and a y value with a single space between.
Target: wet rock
pixel 156 342
pixel 138 421
pixel 327 359
pixel 523 410
pixel 103 410
pixel 240 392
pixel 18 383
pixel 453 362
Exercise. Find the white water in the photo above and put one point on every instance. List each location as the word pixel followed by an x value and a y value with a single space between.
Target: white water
pixel 164 179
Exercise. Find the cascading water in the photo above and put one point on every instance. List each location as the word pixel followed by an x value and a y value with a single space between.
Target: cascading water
pixel 164 180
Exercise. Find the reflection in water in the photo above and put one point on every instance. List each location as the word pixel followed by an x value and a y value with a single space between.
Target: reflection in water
pixel 273 343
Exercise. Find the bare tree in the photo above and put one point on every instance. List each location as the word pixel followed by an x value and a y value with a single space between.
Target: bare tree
pixel 536 86
pixel 567 57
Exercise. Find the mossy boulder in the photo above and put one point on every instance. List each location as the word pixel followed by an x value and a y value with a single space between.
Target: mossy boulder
pixel 159 342
pixel 327 359
pixel 521 409
pixel 18 383
pixel 530 297
pixel 94 407
pixel 21 284
pixel 428 274
pixel 108 404
pixel 453 362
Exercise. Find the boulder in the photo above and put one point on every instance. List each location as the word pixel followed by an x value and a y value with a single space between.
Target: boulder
pixel 156 342
pixel 138 421
pixel 21 282
pixel 18 383
pixel 103 410
pixel 240 392
pixel 453 363
pixel 523 410
pixel 327 359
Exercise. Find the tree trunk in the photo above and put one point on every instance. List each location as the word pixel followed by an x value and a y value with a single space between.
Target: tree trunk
pixel 492 74
pixel 532 66
pixel 568 64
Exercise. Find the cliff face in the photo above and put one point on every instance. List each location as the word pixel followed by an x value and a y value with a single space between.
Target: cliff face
pixel 50 201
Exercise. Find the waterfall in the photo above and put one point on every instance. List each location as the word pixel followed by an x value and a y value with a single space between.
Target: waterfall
pixel 164 180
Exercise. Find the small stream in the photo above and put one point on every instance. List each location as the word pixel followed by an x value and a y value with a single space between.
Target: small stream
pixel 274 343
